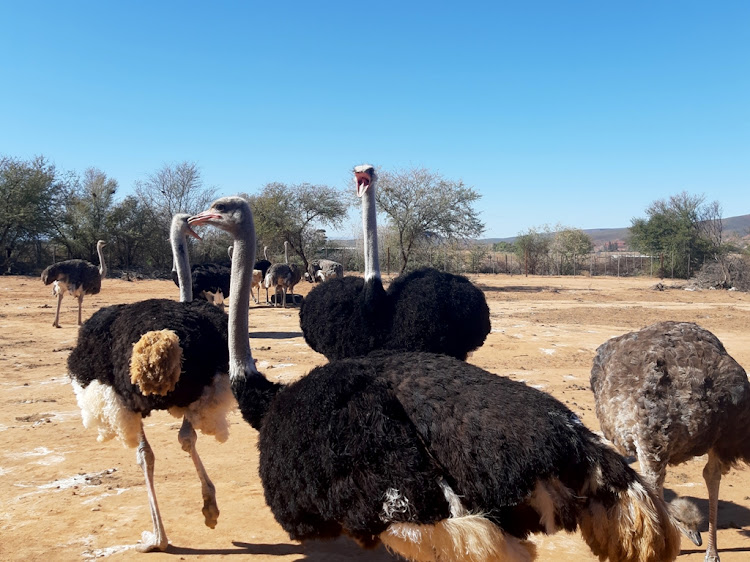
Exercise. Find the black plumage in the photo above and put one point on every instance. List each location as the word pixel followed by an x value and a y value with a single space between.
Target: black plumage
pixel 425 310
pixel 438 312
pixel 436 458
pixel 668 393
pixel 208 280
pixel 200 327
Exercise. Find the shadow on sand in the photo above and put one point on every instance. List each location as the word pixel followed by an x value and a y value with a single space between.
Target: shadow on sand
pixel 339 550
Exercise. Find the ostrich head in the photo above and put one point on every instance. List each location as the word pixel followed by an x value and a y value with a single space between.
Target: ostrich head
pixel 230 214
pixel 688 518
pixel 365 176
pixel 100 244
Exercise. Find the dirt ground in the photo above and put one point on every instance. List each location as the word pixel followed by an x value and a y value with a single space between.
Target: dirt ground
pixel 66 496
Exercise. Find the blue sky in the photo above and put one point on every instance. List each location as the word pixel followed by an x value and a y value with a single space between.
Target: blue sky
pixel 572 112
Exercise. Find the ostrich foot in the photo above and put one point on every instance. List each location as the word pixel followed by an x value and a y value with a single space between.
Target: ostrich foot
pixel 712 558
pixel 210 511
pixel 151 542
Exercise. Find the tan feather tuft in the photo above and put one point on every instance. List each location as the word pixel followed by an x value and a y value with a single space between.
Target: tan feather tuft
pixel 156 362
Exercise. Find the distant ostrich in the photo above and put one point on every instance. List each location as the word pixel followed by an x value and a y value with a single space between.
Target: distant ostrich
pixel 668 393
pixel 78 277
pixel 282 277
pixel 210 282
pixel 436 458
pixel 426 310
pixel 321 270
pixel 263 264
pixel 156 354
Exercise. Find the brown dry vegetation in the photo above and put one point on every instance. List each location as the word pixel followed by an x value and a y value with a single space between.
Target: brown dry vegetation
pixel 66 496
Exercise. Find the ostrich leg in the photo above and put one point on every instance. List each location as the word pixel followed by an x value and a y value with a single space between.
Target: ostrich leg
pixel 188 438
pixel 156 540
pixel 56 323
pixel 80 303
pixel 712 476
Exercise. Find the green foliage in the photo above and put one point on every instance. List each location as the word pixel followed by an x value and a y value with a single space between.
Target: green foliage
pixel 421 204
pixel 532 249
pixel 678 231
pixel 504 247
pixel 295 214
pixel 32 197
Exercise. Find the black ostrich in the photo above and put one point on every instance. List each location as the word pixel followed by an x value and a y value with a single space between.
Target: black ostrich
pixel 78 277
pixel 436 458
pixel 210 282
pixel 156 354
pixel 425 310
pixel 668 393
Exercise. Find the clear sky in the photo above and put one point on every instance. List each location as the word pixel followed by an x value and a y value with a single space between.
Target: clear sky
pixel 559 111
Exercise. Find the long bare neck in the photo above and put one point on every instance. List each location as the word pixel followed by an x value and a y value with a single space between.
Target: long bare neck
pixel 182 263
pixel 286 253
pixel 370 228
pixel 240 356
pixel 102 264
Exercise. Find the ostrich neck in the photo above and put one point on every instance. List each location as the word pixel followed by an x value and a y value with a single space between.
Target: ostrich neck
pixel 102 265
pixel 370 227
pixel 240 356
pixel 182 264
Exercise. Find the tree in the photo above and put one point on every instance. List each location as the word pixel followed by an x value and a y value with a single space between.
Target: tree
pixel 570 244
pixel 532 250
pixel 175 188
pixel 32 205
pixel 675 230
pixel 88 207
pixel 295 214
pixel 419 203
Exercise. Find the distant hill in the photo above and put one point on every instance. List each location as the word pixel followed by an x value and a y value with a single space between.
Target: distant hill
pixel 733 226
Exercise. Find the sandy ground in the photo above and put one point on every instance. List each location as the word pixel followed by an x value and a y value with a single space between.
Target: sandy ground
pixel 66 496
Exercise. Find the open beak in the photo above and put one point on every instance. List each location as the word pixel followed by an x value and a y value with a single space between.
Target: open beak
pixel 363 182
pixel 193 233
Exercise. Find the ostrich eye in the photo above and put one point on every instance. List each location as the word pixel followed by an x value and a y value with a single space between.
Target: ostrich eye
pixel 221 207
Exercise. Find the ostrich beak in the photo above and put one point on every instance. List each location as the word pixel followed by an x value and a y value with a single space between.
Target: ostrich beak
pixel 203 218
pixel 192 233
pixel 363 182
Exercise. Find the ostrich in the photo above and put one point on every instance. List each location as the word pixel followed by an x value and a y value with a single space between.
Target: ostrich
pixel 321 270
pixel 156 354
pixel 426 310
pixel 210 282
pixel 666 394
pixel 436 458
pixel 78 277
pixel 282 277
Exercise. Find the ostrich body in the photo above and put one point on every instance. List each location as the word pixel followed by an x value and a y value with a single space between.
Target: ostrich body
pixel 322 270
pixel 282 277
pixel 77 277
pixel 210 282
pixel 156 354
pixel 425 310
pixel 671 392
pixel 436 458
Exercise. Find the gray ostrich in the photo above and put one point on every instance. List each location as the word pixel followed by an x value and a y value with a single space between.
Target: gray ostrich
pixel 156 354
pixel 78 277
pixel 436 458
pixel 321 270
pixel 666 394
pixel 282 277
